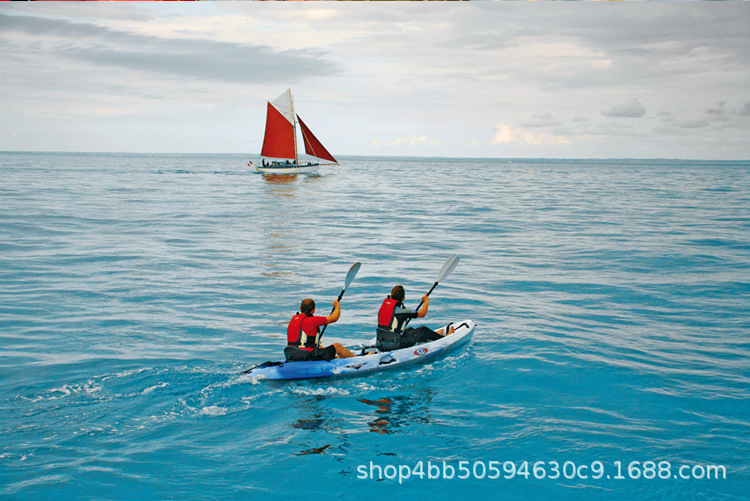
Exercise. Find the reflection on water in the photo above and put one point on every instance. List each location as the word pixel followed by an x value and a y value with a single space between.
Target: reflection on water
pixel 399 411
pixel 281 221
pixel 308 424
pixel 278 242
pixel 280 180
pixel 390 414
pixel 314 450
pixel 314 417
pixel 380 424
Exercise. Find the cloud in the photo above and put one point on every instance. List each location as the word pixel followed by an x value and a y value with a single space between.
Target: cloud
pixel 507 134
pixel 717 117
pixel 612 129
pixel 410 141
pixel 694 123
pixel 195 58
pixel 554 76
pixel 542 120
pixel 633 108
pixel 721 110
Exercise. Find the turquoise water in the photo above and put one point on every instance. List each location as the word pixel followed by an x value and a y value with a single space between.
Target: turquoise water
pixel 612 302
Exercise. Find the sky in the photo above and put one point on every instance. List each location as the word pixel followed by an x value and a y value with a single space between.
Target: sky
pixel 498 80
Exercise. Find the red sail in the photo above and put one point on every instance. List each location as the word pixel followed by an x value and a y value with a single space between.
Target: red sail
pixel 279 139
pixel 312 145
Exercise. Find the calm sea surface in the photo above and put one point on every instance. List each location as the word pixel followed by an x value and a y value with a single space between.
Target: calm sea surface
pixel 612 302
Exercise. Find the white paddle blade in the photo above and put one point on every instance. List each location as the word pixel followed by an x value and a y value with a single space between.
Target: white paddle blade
pixel 448 267
pixel 352 273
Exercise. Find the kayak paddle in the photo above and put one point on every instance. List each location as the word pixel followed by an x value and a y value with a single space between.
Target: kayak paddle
pixel 446 270
pixel 349 277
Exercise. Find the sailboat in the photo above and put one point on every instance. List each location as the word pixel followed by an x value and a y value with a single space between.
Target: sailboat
pixel 279 154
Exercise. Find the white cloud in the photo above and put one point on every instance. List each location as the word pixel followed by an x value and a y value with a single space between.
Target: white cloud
pixel 632 108
pixel 507 134
pixel 694 123
pixel 413 141
pixel 541 120
pixel 408 141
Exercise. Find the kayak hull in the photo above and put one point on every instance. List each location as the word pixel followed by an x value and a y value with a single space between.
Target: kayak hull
pixel 364 364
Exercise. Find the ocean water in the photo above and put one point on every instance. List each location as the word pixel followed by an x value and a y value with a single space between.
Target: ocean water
pixel 611 356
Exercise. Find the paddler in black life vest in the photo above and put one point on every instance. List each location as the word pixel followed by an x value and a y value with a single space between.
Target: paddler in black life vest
pixel 391 318
pixel 303 335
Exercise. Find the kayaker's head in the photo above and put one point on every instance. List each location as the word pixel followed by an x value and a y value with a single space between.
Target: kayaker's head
pixel 398 293
pixel 307 307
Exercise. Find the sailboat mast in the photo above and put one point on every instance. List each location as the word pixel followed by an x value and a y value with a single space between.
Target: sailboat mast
pixel 294 125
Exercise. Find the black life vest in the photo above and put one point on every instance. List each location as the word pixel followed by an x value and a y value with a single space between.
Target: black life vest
pixel 386 318
pixel 296 337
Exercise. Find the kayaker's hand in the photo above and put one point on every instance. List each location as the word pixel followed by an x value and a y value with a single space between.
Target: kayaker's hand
pixel 423 311
pixel 336 313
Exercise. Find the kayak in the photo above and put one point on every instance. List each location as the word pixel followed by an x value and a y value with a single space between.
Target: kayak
pixel 370 360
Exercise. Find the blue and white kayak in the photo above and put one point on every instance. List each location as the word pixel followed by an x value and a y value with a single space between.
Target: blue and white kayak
pixel 373 361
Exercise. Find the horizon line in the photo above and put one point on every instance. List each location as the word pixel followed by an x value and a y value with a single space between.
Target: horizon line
pixel 371 156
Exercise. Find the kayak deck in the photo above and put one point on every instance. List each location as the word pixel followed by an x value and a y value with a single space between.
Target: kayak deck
pixel 370 360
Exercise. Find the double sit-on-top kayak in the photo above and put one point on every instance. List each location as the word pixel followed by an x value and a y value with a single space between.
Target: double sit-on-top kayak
pixel 373 360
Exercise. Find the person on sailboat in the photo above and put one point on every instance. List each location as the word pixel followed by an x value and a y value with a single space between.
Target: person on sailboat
pixel 303 335
pixel 391 318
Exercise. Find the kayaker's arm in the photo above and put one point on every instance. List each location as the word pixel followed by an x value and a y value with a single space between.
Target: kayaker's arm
pixel 423 311
pixel 336 313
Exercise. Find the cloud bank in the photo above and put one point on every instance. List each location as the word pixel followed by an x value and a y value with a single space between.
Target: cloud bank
pixel 577 79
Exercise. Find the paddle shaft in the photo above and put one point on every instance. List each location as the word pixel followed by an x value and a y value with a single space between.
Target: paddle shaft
pixel 428 293
pixel 334 309
pixel 448 267
pixel 349 277
pixel 406 322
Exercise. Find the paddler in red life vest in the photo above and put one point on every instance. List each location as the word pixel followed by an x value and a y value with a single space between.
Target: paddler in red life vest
pixel 303 335
pixel 391 318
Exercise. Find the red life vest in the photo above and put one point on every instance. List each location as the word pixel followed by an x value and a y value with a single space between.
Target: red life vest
pixel 385 315
pixel 296 337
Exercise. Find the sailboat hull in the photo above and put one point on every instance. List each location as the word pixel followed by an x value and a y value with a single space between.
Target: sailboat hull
pixel 291 169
